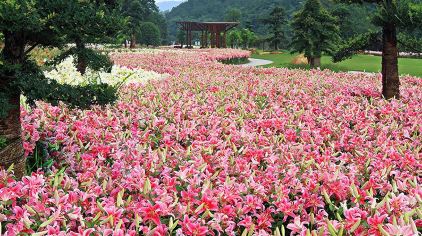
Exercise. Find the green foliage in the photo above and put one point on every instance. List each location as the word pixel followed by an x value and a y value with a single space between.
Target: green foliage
pixel 401 13
pixel 3 142
pixel 84 96
pixel 253 12
pixel 233 38
pixel 160 21
pixel 248 38
pixel 35 19
pixel 136 12
pixel 355 44
pixel 54 23
pixel 41 158
pixel 410 43
pixel 404 15
pixel 4 104
pixel 315 30
pixel 352 19
pixel 277 20
pixel 233 15
pixel 94 59
pixel 181 36
pixel 236 61
pixel 149 34
pixel 91 22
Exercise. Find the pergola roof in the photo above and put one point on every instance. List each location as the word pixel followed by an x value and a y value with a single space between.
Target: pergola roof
pixel 201 26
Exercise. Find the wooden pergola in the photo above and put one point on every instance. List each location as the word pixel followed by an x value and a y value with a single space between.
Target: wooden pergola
pixel 216 30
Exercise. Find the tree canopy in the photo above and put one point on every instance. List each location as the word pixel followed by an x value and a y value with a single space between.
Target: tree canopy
pixel 315 32
pixel 149 34
pixel 233 15
pixel 277 20
pixel 47 23
pixel 136 12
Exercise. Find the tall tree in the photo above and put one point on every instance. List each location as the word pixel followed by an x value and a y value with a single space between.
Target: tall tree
pixel 149 34
pixel 248 38
pixel 391 16
pixel 181 36
pixel 352 19
pixel 314 32
pixel 160 21
pixel 277 19
pixel 26 25
pixel 137 11
pixel 233 38
pixel 233 15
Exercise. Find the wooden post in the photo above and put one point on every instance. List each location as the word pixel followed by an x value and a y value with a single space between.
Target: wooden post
pixel 213 34
pixel 190 36
pixel 224 39
pixel 218 39
pixel 202 39
pixel 187 34
pixel 212 38
pixel 206 38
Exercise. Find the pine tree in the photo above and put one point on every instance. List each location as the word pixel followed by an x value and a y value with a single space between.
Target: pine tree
pixel 314 32
pixel 44 23
pixel 277 19
pixel 391 16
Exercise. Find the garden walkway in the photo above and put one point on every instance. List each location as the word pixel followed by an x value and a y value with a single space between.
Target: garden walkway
pixel 257 62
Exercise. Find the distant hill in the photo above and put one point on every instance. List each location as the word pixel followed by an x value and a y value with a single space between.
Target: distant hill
pixel 168 5
pixel 252 12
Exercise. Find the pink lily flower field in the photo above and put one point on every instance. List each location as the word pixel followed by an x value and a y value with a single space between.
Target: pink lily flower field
pixel 216 149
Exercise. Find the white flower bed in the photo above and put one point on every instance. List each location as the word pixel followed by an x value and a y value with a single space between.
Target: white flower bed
pixel 66 73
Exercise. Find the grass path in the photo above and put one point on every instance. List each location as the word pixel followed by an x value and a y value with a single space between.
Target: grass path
pixel 366 63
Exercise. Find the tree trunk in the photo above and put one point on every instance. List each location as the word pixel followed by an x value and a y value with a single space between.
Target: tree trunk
pixel 81 65
pixel 125 43
pixel 314 62
pixel 390 69
pixel 317 62
pixel 10 126
pixel 10 129
pixel 133 41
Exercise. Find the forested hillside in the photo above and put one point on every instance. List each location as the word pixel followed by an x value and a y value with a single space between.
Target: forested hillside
pixel 167 5
pixel 354 19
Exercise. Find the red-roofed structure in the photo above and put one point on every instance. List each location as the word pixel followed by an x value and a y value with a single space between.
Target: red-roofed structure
pixel 216 30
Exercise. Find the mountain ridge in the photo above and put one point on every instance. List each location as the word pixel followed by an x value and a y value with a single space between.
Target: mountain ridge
pixel 253 12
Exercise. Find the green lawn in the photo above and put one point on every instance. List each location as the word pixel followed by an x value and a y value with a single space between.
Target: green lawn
pixel 366 63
